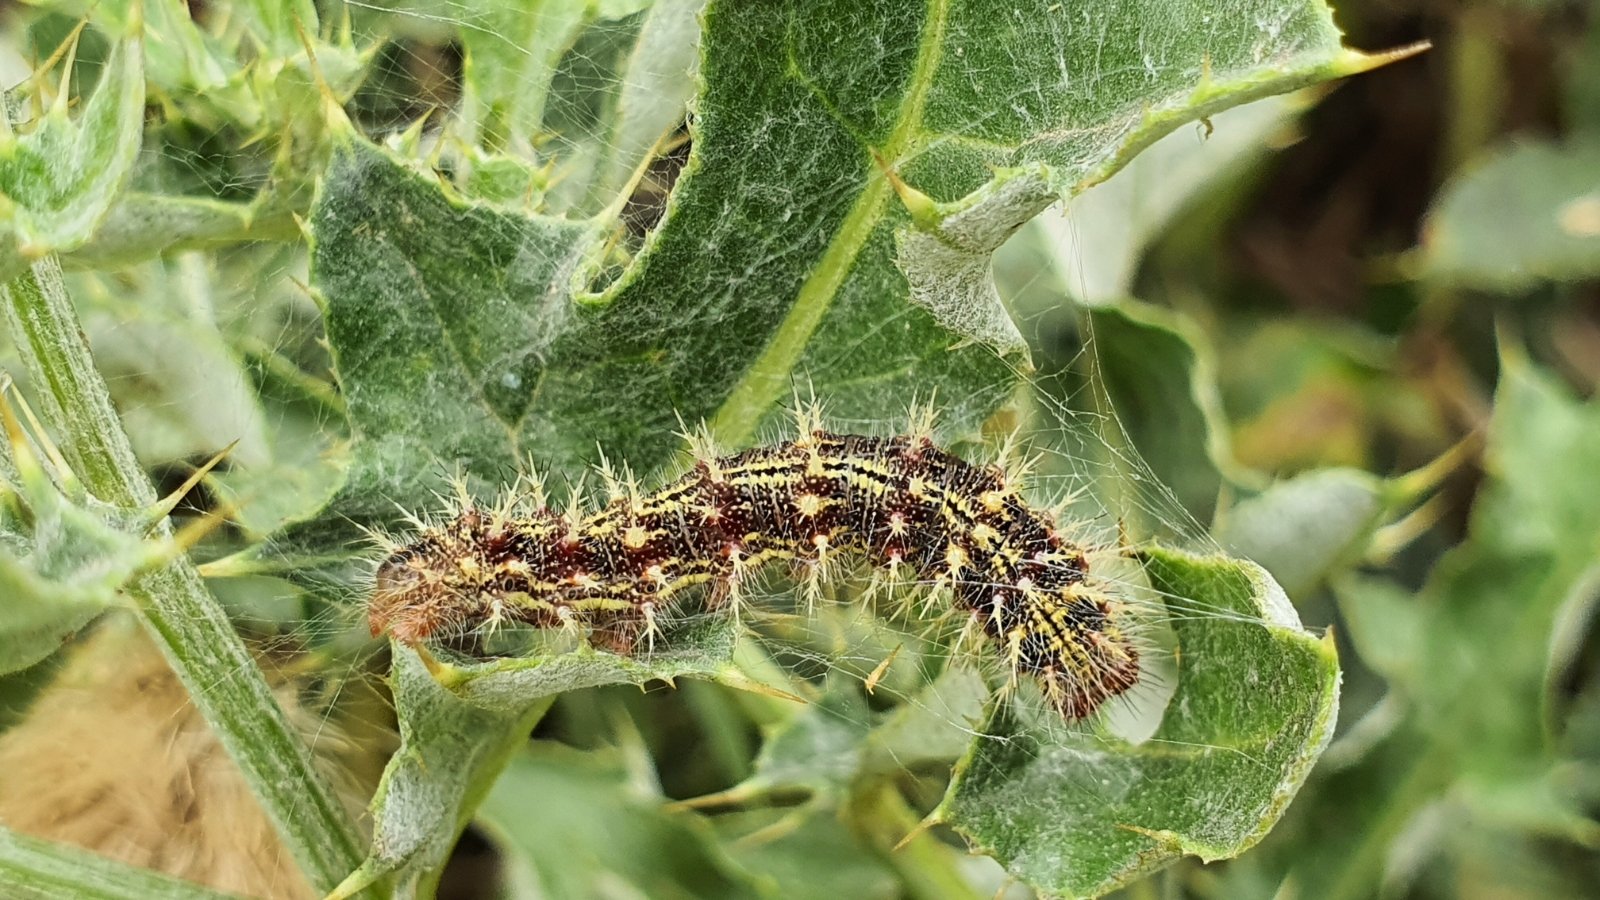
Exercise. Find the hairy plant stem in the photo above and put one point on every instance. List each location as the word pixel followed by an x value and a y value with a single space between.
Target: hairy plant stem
pixel 188 624
pixel 30 867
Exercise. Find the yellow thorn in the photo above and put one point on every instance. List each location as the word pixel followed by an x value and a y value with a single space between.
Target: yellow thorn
pixel 67 49
pixel 332 109
pixel 924 210
pixel 882 669
pixel 912 835
pixel 734 594
pixel 20 437
pixel 493 622
pixel 59 105
pixel 528 474
pixel 167 504
pixel 411 518
pixel 1016 469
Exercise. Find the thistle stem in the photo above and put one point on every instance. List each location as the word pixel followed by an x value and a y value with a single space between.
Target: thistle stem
pixel 188 624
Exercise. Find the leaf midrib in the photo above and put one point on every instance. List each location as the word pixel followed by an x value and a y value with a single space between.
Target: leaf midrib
pixel 765 380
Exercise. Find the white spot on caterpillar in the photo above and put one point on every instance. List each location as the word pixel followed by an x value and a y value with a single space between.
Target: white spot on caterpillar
pixel 635 537
pixel 955 557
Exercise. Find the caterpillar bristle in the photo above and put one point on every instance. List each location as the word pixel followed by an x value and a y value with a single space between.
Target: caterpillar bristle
pixel 809 416
pixel 916 514
pixel 923 419
pixel 702 443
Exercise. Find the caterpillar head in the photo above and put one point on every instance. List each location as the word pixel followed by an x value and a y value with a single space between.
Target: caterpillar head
pixel 431 583
pixel 473 570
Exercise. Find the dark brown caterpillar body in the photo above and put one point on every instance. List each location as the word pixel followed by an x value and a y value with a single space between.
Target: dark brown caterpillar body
pixel 902 504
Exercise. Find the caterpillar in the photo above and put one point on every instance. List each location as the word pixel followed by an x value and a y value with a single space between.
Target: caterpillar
pixel 902 504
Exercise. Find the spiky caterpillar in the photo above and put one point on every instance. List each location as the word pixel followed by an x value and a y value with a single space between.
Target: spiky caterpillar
pixel 903 504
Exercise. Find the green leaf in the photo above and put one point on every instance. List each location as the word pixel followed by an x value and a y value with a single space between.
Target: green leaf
pixel 1534 536
pixel 803 854
pixel 934 728
pixel 234 157
pixel 1505 595
pixel 68 556
pixel 1159 377
pixel 39 622
pixel 830 747
pixel 1302 528
pixel 818 751
pixel 1095 247
pixel 510 50
pixel 1528 213
pixel 58 177
pixel 1080 814
pixel 571 825
pixel 185 393
pixel 1305 528
pixel 1386 624
pixel 44 610
pixel 141 226
pixel 456 736
pixel 32 869
pixel 653 94
pixel 441 345
pixel 280 24
pixel 786 257
pixel 178 57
